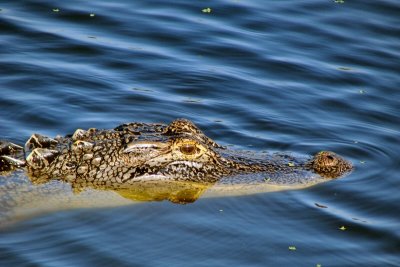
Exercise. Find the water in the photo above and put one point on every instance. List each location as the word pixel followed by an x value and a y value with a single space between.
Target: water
pixel 299 76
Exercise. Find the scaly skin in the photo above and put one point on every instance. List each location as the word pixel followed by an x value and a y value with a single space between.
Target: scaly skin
pixel 138 152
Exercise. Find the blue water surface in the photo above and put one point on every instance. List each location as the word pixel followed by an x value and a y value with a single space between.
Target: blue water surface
pixel 299 76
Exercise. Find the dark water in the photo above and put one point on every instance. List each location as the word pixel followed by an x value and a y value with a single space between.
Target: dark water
pixel 300 76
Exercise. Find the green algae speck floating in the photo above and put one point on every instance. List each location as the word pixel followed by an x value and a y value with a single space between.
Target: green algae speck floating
pixel 56 10
pixel 292 248
pixel 206 10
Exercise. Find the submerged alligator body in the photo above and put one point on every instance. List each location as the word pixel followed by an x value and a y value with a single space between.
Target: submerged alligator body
pixel 138 152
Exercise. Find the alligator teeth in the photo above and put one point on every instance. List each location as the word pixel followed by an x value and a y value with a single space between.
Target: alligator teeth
pixel 41 157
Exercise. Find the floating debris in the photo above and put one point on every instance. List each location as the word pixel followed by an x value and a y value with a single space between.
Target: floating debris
pixel 339 1
pixel 362 91
pixel 191 100
pixel 345 68
pixel 292 248
pixel 356 219
pixel 343 228
pixel 92 14
pixel 142 89
pixel 206 10
pixel 56 10
pixel 362 161
pixel 321 206
pixel 291 164
pixel 267 179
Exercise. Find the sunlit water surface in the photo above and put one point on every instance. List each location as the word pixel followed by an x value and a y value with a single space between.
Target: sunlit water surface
pixel 299 76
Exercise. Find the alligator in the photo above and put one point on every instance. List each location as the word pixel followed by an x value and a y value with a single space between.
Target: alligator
pixel 136 152
pixel 177 162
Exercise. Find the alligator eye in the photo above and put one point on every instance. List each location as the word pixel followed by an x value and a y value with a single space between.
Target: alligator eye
pixel 188 149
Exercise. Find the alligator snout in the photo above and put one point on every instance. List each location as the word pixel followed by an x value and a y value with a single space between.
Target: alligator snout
pixel 330 165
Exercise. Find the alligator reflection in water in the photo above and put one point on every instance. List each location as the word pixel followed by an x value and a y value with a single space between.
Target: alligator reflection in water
pixel 174 162
pixel 180 192
pixel 22 197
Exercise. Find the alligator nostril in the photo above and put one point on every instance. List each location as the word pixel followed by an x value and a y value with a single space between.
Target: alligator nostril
pixel 330 157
